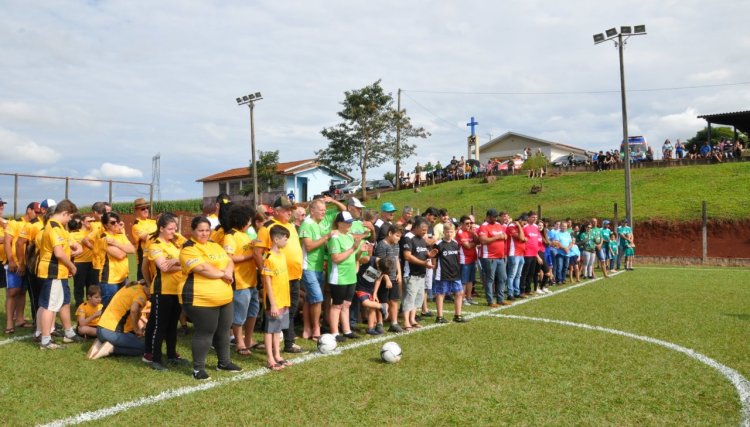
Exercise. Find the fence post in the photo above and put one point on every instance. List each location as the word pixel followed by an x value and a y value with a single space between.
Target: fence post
pixel 615 216
pixel 539 212
pixel 151 200
pixel 471 209
pixel 67 187
pixel 110 191
pixel 705 233
pixel 15 196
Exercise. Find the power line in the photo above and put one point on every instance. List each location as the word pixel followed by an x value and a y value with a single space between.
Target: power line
pixel 585 92
pixel 433 113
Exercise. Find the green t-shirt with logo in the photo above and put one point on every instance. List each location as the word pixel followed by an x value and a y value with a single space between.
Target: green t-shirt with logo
pixel 345 272
pixel 312 260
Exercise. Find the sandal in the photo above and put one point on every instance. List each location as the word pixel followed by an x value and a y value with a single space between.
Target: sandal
pixel 315 338
pixel 284 362
pixel 244 352
pixel 25 325
pixel 276 367
pixel 258 346
pixel 407 328
pixel 416 325
pixel 9 331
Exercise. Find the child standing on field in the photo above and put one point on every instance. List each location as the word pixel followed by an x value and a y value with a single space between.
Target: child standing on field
pixel 276 297
pixel 89 312
pixel 448 274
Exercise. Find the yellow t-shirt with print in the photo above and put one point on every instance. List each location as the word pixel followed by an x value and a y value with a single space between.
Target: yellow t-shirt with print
pixel 163 283
pixel 94 236
pixel 141 226
pixel 114 271
pixel 48 265
pixel 292 251
pixel 88 310
pixel 245 273
pixel 196 289
pixel 87 255
pixel 275 267
pixel 116 317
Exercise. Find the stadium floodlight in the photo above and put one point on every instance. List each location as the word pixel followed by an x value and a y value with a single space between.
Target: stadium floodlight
pixel 598 38
pixel 626 30
pixel 611 32
pixel 639 29
pixel 250 101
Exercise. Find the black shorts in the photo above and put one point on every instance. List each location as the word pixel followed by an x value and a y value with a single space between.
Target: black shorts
pixel 341 293
pixel 392 294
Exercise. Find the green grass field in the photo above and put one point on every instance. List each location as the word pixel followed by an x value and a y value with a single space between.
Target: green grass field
pixel 490 371
pixel 674 193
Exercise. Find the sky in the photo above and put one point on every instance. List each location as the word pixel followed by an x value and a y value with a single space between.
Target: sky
pixel 95 89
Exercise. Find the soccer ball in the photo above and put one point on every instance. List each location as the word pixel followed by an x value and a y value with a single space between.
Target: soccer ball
pixel 326 343
pixel 390 352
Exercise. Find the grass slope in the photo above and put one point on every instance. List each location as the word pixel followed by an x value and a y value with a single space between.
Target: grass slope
pixel 658 193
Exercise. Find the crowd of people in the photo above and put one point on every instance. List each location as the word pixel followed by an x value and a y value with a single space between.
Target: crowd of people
pixel 332 264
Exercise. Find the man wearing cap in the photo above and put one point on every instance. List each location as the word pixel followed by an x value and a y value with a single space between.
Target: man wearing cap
pixel 143 226
pixel 385 220
pixel 354 206
pixel 492 257
pixel 282 215
pixel 15 298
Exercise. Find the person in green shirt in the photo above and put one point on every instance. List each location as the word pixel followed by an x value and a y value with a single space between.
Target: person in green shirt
pixel 597 235
pixel 313 241
pixel 342 274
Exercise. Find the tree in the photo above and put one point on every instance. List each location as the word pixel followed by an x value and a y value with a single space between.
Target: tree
pixel 268 177
pixel 389 176
pixel 366 138
pixel 717 133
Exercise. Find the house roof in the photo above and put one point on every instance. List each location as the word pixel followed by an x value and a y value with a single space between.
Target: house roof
pixel 500 138
pixel 738 119
pixel 286 168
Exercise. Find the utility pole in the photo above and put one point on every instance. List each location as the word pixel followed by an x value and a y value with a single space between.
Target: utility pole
pixel 398 142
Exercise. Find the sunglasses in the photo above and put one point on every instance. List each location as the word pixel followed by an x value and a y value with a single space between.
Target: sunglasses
pixel 143 208
pixel 114 222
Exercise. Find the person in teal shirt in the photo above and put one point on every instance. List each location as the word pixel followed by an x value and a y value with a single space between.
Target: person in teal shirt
pixel 597 235
pixel 625 234
pixel 342 274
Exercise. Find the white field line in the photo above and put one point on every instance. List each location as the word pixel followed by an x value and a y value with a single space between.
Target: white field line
pixel 14 339
pixel 182 391
pixel 740 383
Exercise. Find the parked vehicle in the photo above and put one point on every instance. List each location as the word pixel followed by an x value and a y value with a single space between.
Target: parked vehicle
pixel 352 187
pixel 379 184
pixel 570 160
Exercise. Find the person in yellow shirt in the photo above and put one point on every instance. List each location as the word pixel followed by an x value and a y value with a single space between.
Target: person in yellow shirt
pixel 282 213
pixel 143 227
pixel 89 312
pixel 115 246
pixel 26 233
pixel 206 296
pixel 79 227
pixel 165 272
pixel 54 266
pixel 15 294
pixel 276 296
pixel 246 304
pixel 98 210
pixel 118 331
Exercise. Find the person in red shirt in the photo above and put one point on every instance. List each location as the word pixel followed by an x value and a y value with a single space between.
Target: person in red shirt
pixel 533 246
pixel 492 257
pixel 516 243
pixel 468 240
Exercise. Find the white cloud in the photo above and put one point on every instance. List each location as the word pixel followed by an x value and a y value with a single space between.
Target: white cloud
pixel 110 170
pixel 17 149
pixel 711 76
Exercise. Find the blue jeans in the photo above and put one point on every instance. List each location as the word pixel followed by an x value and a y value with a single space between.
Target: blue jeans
pixel 125 344
pixel 515 267
pixel 108 291
pixel 561 267
pixel 494 277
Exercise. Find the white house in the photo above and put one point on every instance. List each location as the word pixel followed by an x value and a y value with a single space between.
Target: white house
pixel 305 178
pixel 510 144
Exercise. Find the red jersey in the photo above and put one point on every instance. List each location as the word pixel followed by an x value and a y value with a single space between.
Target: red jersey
pixel 515 246
pixel 466 256
pixel 496 249
pixel 533 239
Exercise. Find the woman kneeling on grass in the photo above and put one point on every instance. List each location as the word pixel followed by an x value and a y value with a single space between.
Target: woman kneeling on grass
pixel 118 331
pixel 206 296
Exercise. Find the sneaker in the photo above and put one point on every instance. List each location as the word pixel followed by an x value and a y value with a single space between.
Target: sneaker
pixel 351 336
pixel 540 292
pixel 147 358
pixel 428 314
pixel 440 319
pixel 201 375
pixel 73 339
pixel 395 328
pixel 373 331
pixel 340 338
pixel 495 305
pixel 57 333
pixel 231 367
pixel 379 328
pixel 50 346
pixel 459 319
pixel 295 349
pixel 506 302
pixel 156 366
pixel 179 361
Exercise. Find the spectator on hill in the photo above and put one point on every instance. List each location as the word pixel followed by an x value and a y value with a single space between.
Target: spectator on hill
pixel 666 150
pixel 679 149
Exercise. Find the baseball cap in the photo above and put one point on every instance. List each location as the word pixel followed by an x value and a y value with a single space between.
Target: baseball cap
pixel 344 216
pixel 283 202
pixel 388 207
pixel 355 202
pixel 605 222
pixel 47 204
pixel 492 212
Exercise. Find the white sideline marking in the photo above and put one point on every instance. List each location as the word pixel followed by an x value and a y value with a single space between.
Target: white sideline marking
pixel 740 383
pixel 14 339
pixel 182 391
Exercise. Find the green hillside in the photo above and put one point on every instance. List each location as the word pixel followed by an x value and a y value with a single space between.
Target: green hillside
pixel 673 193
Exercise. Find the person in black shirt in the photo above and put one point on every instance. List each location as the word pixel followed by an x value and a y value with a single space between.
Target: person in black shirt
pixel 417 260
pixel 448 274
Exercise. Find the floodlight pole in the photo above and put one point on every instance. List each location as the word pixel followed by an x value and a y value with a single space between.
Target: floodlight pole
pixel 256 202
pixel 628 193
